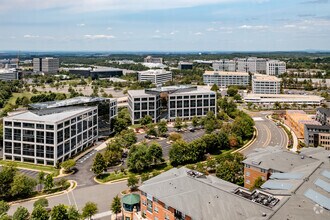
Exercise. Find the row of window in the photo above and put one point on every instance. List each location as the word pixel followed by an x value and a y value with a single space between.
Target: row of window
pixel 192 103
pixel 28 125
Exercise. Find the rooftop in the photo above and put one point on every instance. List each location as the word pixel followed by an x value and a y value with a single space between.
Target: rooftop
pixel 131 199
pixel 202 197
pixel 313 126
pixel 280 97
pixel 325 111
pixel 222 73
pixel 154 72
pixel 5 70
pixel 49 115
pixel 266 78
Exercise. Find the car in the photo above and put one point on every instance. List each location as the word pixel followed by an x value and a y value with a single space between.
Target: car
pixel 191 129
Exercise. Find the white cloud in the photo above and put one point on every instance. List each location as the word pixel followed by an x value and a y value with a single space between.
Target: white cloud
pixel 198 33
pixel 289 26
pixel 173 32
pixel 30 36
pixel 157 31
pixel 81 25
pixel 98 36
pixel 109 28
pixel 251 27
pixel 211 29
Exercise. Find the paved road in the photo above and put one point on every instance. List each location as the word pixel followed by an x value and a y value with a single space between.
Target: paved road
pixel 268 133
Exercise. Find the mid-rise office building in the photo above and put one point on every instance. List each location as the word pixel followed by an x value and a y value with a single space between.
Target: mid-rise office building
pixel 251 65
pixel 317 135
pixel 263 84
pixel 225 79
pixel 185 66
pixel 96 73
pixel 8 74
pixel 323 116
pixel 49 136
pixel 150 59
pixel 275 67
pixel 158 76
pixel 46 65
pixel 224 65
pixel 182 101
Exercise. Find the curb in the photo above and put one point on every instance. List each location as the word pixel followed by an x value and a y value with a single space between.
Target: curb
pixel 110 182
pixel 73 185
pixel 248 144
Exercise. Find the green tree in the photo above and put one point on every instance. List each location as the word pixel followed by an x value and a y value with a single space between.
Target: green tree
pixel 147 119
pixel 277 105
pixel 4 207
pixel 41 202
pixel 230 168
pixel 162 128
pixel 22 185
pixel 152 130
pixel 73 213
pixel 21 213
pixel 237 97
pixel 232 91
pixel 99 164
pixel 116 205
pixel 174 136
pixel 89 210
pixel 257 183
pixel 68 165
pixel 178 123
pixel 41 178
pixel 39 213
pixel 155 152
pixel 195 121
pixel 138 158
pixel 7 175
pixel 128 137
pixel 59 212
pixel 49 182
pixel 178 153
pixel 132 182
pixel 114 151
pixel 214 88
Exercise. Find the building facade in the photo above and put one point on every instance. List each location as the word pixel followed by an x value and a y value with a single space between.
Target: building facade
pixel 225 79
pixel 8 74
pixel 157 77
pixel 224 65
pixel 317 135
pixel 275 67
pixel 262 84
pixel 142 103
pixel 46 65
pixel 185 66
pixel 251 65
pixel 150 59
pixel 323 116
pixel 49 136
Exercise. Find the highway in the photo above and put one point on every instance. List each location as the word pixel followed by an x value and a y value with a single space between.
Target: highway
pixel 269 134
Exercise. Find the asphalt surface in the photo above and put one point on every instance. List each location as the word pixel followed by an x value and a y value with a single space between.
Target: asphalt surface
pixel 269 134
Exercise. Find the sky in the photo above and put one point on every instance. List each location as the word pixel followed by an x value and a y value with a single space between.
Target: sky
pixel 164 25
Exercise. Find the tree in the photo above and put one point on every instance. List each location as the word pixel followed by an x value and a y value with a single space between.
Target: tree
pixel 214 88
pixel 178 153
pixel 152 130
pixel 178 123
pixel 59 212
pixel 257 183
pixel 119 124
pixel 175 136
pixel 155 152
pixel 195 121
pixel 232 91
pixel 49 182
pixel 7 175
pixel 41 178
pixel 41 202
pixel 230 168
pixel 114 152
pixel 162 128
pixel 39 213
pixel 277 105
pixel 21 213
pixel 68 165
pixel 22 185
pixel 99 164
pixel 73 213
pixel 147 119
pixel 128 137
pixel 138 158
pixel 4 207
pixel 116 205
pixel 132 182
pixel 89 210
pixel 237 97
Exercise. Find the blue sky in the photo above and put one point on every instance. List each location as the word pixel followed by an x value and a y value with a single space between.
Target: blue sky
pixel 164 25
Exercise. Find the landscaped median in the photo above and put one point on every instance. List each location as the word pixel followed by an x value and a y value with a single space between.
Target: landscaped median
pixel 30 166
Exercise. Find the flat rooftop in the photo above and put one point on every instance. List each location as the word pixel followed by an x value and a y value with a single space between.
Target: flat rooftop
pixel 67 102
pixel 223 73
pixel 49 115
pixel 5 70
pixel 265 78
pixel 280 97
pixel 154 72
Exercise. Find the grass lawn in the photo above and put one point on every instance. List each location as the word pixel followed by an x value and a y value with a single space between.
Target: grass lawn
pixel 49 169
pixel 12 100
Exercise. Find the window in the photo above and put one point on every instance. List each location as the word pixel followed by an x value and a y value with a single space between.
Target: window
pixel 40 137
pixel 149 205
pixel 247 173
pixel 49 137
pixel 28 149
pixel 247 181
pixel 40 151
pixel 263 170
pixel 156 209
pixel 8 123
pixel 28 125
pixel 49 152
pixel 40 126
pixel 28 135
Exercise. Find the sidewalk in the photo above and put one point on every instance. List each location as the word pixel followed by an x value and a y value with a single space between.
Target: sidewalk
pixel 294 137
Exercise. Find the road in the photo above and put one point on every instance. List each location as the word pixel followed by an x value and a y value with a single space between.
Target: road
pixel 269 134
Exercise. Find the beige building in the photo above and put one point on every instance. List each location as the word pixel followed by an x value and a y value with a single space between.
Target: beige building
pixel 263 84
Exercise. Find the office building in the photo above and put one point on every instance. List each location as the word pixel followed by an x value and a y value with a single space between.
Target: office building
pixel 187 104
pixel 8 74
pixel 46 65
pixel 268 100
pixel 185 66
pixel 323 116
pixel 96 73
pixel 224 65
pixel 156 77
pixel 225 79
pixel 263 84
pixel 251 65
pixel 107 110
pixel 142 103
pixel 182 101
pixel 49 136
pixel 150 59
pixel 317 135
pixel 275 67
